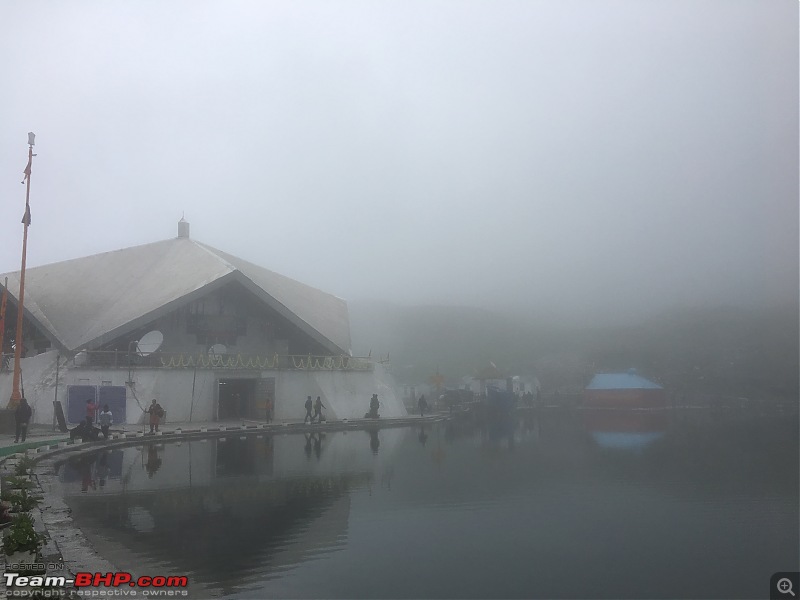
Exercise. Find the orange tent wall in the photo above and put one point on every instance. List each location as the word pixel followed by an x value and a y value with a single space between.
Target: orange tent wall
pixel 625 398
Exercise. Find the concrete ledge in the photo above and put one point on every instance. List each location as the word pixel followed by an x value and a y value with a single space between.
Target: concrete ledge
pixel 68 448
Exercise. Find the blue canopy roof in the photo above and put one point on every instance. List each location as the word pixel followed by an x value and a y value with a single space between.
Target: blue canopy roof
pixel 621 381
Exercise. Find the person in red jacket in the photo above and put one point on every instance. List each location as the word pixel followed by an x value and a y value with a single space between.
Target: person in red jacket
pixel 156 413
pixel 91 409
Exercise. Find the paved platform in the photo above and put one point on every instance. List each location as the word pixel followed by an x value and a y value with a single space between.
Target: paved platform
pixel 37 436
pixel 41 435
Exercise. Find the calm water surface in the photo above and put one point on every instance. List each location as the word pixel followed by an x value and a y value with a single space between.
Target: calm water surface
pixel 552 505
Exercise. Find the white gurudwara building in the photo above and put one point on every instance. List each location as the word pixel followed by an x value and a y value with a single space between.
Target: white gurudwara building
pixel 209 335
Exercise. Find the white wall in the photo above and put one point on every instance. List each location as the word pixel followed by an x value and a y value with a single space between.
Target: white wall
pixel 38 381
pixel 346 394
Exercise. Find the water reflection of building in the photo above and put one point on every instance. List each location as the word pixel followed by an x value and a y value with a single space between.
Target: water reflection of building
pixel 624 410
pixel 625 429
pixel 227 537
pixel 210 335
pixel 259 491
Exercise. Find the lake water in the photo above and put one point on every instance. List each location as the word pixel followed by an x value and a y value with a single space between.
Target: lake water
pixel 552 504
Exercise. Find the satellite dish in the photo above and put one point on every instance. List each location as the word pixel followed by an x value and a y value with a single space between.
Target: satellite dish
pixel 150 342
pixel 218 349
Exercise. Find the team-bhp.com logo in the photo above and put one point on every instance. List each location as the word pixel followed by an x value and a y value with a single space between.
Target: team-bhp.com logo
pixel 125 578
pixel 94 584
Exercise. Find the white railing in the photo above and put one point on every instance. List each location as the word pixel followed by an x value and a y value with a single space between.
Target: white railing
pixel 94 359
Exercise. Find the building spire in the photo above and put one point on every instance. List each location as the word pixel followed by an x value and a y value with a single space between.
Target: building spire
pixel 183 227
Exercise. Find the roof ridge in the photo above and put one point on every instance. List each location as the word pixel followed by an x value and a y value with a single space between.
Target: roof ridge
pixel 214 252
pixel 262 268
pixel 34 310
pixel 77 258
pixel 91 299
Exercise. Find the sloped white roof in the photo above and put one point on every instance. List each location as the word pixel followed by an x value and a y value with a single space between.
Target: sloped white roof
pixel 85 302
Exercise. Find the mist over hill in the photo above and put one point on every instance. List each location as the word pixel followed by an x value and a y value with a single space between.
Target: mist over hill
pixel 726 351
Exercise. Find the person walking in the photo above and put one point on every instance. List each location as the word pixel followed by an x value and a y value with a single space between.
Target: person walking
pixel 22 416
pixel 318 406
pixel 309 405
pixel 106 420
pixel 423 405
pixel 156 413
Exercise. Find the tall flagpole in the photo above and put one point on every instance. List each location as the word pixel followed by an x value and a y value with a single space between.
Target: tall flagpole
pixel 26 221
pixel 3 320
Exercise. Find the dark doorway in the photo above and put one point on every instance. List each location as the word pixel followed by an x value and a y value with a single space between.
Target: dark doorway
pixel 235 398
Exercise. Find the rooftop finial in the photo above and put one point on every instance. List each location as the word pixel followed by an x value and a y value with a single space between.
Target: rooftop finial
pixel 183 227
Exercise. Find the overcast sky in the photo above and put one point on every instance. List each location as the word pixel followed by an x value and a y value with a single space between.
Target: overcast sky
pixel 580 155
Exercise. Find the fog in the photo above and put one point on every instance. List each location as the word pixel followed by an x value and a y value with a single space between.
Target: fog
pixel 584 158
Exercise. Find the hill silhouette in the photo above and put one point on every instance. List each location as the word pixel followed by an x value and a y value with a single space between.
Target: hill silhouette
pixel 724 351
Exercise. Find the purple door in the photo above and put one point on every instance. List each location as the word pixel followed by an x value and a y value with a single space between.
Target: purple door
pixel 116 397
pixel 77 395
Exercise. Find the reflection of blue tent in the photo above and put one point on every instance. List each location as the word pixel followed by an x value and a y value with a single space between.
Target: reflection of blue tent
pixel 620 440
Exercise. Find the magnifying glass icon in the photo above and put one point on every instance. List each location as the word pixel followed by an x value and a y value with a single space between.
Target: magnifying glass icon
pixel 784 586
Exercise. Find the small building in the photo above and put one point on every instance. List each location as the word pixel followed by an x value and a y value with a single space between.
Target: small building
pixel 623 390
pixel 492 376
pixel 210 335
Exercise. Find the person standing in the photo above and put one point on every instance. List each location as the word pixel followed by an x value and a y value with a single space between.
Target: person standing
pixel 309 405
pixel 374 405
pixel 91 409
pixel 269 407
pixel 106 420
pixel 156 413
pixel 318 406
pixel 22 417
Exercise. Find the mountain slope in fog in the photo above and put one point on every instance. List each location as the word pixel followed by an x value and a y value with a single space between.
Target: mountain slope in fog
pixel 723 350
